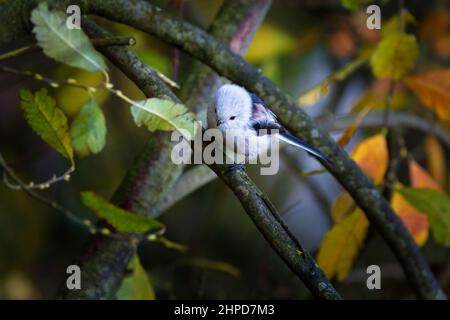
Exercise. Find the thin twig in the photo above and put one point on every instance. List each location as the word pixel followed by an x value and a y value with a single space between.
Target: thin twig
pixel 205 48
pixel 100 42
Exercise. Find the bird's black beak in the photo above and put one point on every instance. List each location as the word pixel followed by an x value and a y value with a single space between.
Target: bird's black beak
pixel 219 122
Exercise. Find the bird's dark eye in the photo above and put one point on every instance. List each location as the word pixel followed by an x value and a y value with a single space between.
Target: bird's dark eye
pixel 233 117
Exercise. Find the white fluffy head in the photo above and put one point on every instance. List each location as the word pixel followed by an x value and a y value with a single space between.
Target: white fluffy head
pixel 231 108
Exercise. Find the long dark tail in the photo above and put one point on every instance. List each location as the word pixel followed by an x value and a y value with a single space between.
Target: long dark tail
pixel 289 138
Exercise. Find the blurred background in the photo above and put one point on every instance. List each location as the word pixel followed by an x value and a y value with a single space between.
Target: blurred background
pixel 299 44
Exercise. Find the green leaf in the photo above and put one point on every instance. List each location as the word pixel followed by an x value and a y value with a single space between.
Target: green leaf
pixel 354 5
pixel 436 205
pixel 88 130
pixel 137 286
pixel 121 220
pixel 160 114
pixel 48 121
pixel 68 46
pixel 395 55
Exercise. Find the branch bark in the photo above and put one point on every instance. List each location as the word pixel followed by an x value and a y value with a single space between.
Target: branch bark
pixel 105 259
pixel 148 18
pixel 257 206
pixel 202 46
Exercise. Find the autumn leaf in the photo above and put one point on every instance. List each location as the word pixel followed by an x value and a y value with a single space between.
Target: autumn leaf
pixel 314 94
pixel 375 97
pixel 433 90
pixel 341 245
pixel 71 98
pixel 435 159
pixel 136 286
pixel 351 129
pixel 434 24
pixel 436 205
pixel 420 178
pixel 47 120
pixel 280 42
pixel 415 221
pixel 342 207
pixel 354 5
pixel 371 155
pixel 373 164
pixel 441 46
pixel 393 25
pixel 395 55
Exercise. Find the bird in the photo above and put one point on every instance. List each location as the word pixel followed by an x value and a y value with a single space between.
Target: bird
pixel 243 115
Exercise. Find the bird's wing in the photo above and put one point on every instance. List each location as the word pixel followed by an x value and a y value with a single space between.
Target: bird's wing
pixel 263 118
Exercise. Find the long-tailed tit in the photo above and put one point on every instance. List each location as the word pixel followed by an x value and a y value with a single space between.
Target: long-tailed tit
pixel 236 110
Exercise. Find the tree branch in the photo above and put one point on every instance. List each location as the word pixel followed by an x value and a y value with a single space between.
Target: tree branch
pixel 151 176
pixel 199 44
pixel 396 119
pixel 269 223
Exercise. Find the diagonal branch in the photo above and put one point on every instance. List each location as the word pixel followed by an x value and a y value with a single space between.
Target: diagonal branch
pixel 201 45
pixel 105 259
pixel 264 215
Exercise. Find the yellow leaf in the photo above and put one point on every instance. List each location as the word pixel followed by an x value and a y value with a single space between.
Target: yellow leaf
pixel 415 221
pixel 433 90
pixel 342 207
pixel 72 99
pixel 371 155
pixel 375 97
pixel 435 159
pixel 393 24
pixel 396 54
pixel 314 94
pixel 269 42
pixel 341 245
pixel 311 96
pixel 420 178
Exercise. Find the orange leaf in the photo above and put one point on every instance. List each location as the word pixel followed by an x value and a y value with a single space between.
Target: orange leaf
pixel 433 90
pixel 435 159
pixel 371 155
pixel 342 207
pixel 415 221
pixel 420 178
pixel 434 24
pixel 441 46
